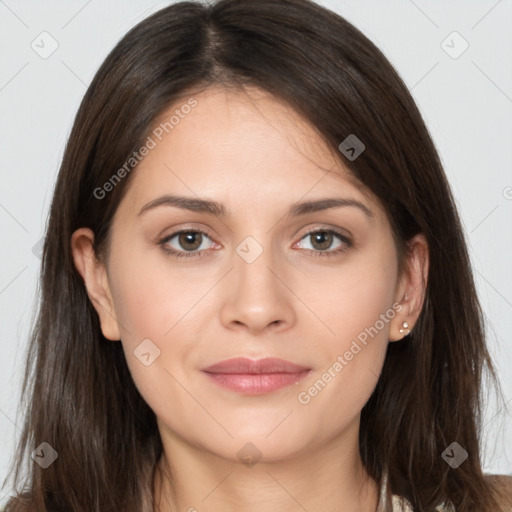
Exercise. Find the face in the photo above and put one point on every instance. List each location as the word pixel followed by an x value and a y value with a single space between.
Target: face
pixel 314 286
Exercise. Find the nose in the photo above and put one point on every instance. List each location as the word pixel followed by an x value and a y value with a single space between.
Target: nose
pixel 258 297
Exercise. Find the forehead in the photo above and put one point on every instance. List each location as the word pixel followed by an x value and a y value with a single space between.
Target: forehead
pixel 232 141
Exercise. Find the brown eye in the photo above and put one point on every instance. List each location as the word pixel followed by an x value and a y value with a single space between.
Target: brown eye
pixel 323 242
pixel 190 242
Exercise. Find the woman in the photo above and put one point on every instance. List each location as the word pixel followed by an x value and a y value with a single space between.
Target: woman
pixel 256 292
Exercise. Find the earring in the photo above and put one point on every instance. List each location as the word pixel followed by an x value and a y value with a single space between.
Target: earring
pixel 405 326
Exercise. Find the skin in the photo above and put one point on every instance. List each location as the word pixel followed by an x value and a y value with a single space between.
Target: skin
pixel 257 157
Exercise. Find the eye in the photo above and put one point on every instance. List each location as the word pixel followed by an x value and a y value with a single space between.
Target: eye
pixel 322 240
pixel 190 242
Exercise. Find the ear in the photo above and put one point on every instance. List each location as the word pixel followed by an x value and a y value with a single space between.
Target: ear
pixel 411 287
pixel 94 274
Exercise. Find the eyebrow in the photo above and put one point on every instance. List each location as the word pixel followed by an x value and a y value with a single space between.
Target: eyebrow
pixel 196 204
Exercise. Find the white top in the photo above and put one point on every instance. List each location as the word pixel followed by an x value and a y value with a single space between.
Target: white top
pixel 399 503
pixel 402 505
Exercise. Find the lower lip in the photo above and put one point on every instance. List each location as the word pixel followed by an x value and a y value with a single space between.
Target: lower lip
pixel 256 384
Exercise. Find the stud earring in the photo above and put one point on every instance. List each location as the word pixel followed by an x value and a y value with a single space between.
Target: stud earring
pixel 405 326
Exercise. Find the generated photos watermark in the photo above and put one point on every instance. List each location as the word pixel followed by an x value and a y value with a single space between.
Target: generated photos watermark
pixel 152 141
pixel 304 397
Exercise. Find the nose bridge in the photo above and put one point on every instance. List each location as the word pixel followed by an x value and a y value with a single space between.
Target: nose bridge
pixel 253 265
pixel 258 297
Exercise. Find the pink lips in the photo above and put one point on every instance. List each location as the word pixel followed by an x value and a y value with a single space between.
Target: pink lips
pixel 255 377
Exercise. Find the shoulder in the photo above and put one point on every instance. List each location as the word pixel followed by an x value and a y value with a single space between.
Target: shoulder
pixel 503 486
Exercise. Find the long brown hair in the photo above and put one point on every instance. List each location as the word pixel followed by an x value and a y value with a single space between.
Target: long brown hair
pixel 80 397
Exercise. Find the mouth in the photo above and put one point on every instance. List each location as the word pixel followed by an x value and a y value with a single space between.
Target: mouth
pixel 255 377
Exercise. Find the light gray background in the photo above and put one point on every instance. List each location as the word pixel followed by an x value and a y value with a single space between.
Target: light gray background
pixel 466 103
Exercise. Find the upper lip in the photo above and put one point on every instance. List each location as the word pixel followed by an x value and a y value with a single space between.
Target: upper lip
pixel 243 365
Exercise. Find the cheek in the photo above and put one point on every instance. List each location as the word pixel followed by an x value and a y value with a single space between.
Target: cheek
pixel 354 296
pixel 148 309
pixel 153 303
pixel 357 308
pixel 150 296
pixel 139 305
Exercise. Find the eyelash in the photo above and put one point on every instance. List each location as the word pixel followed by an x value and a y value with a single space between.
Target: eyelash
pixel 200 254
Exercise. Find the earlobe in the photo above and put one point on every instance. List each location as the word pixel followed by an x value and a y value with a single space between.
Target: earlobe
pixel 94 275
pixel 412 289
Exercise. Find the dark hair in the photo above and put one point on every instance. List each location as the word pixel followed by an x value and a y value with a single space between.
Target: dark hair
pixel 81 398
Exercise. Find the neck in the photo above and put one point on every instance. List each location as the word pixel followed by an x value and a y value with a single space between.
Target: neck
pixel 199 481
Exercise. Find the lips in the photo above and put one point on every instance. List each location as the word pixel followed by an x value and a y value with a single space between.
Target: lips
pixel 250 366
pixel 255 377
